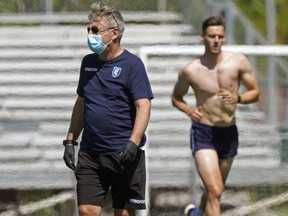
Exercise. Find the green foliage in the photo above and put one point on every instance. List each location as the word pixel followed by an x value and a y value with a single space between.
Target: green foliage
pixel 8 8
pixel 255 11
pixel 20 6
pixel 283 207
pixel 282 19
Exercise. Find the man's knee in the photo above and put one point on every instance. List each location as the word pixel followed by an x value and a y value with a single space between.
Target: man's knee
pixel 89 210
pixel 123 212
pixel 215 192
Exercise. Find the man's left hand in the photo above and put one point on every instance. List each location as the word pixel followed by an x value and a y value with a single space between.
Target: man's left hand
pixel 130 153
pixel 227 97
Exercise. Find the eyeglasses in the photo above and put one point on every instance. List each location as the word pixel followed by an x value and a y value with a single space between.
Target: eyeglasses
pixel 112 12
pixel 95 29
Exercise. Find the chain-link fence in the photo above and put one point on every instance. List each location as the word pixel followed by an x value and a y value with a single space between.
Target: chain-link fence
pixel 44 6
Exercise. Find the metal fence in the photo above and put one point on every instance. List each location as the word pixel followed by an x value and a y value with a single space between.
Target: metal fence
pixel 52 6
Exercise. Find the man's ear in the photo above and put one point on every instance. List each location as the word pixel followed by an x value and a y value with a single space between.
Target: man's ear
pixel 202 38
pixel 116 33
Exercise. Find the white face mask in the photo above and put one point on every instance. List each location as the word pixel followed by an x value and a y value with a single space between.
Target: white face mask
pixel 95 43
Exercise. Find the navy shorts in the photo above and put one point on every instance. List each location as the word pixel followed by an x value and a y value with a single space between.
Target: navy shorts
pixel 224 140
pixel 96 174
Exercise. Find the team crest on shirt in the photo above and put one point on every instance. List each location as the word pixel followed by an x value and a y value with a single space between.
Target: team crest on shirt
pixel 116 71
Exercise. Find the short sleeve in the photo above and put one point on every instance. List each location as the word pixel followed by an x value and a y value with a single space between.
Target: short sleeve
pixel 139 83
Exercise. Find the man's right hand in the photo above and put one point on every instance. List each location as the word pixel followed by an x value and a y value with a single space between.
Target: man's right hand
pixel 196 115
pixel 69 156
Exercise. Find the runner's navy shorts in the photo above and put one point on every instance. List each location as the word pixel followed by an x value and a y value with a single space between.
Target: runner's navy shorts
pixel 97 174
pixel 224 140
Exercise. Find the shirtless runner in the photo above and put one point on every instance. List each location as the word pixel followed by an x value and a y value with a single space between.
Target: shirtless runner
pixel 215 78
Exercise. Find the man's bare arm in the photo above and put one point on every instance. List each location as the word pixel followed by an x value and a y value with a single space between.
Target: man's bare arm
pixel 143 109
pixel 76 123
pixel 250 82
pixel 180 90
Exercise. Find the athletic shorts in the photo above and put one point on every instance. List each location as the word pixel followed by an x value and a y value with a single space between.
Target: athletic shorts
pixel 224 140
pixel 96 174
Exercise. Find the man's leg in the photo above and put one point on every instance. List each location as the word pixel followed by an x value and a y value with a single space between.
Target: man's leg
pixel 203 201
pixel 225 166
pixel 92 185
pixel 124 212
pixel 207 164
pixel 89 210
pixel 128 187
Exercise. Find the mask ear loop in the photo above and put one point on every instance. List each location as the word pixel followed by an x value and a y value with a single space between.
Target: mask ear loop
pixel 105 34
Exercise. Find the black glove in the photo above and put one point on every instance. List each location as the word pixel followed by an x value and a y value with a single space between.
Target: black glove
pixel 130 153
pixel 69 153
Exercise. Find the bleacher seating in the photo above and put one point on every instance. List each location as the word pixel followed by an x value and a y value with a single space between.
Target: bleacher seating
pixel 39 69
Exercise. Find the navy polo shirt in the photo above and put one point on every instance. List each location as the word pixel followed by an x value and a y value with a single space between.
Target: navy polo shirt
pixel 109 89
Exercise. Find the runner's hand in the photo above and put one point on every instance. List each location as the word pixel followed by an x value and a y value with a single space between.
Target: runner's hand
pixel 196 115
pixel 69 156
pixel 227 97
pixel 129 154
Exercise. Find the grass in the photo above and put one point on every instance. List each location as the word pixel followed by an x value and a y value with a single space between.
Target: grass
pixel 259 193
